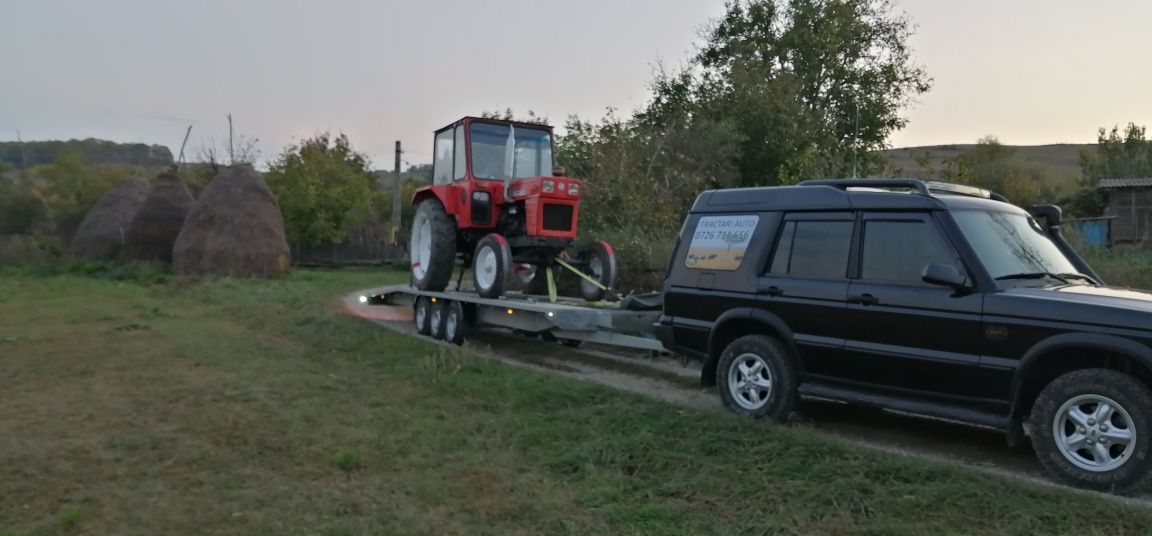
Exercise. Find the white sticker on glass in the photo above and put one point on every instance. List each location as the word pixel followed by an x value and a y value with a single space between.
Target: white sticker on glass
pixel 719 242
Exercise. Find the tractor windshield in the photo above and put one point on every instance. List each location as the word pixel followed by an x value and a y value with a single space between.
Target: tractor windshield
pixel 505 152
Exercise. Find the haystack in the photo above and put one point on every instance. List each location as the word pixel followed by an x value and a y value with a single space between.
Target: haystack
pixel 102 232
pixel 159 220
pixel 235 229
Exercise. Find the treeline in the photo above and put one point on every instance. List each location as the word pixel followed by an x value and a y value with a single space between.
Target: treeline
pixel 92 152
pixel 777 91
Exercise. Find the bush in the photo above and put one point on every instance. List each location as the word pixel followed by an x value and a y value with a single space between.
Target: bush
pixel 1121 266
pixel 22 250
pixel 144 273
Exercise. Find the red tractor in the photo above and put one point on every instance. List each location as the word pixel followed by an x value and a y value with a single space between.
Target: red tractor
pixel 498 204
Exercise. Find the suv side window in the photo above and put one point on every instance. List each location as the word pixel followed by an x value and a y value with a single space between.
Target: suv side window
pixel 813 249
pixel 897 248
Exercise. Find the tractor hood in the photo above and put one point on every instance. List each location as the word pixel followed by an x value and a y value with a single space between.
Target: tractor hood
pixel 1078 304
pixel 547 187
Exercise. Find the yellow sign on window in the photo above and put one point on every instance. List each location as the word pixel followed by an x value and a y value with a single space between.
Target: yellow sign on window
pixel 719 242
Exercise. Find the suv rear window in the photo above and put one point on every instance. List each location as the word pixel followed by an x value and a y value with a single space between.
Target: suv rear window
pixel 813 249
pixel 719 242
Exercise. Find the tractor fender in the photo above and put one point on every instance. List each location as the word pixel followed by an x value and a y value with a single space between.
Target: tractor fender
pixel 419 196
pixel 771 325
pixel 1139 352
pixel 445 195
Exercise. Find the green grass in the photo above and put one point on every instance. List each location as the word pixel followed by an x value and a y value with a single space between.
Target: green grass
pixel 258 407
pixel 1121 266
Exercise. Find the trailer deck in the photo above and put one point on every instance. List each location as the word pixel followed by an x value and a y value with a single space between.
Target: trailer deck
pixel 567 319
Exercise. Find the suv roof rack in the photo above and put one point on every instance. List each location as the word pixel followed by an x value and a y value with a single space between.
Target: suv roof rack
pixel 921 187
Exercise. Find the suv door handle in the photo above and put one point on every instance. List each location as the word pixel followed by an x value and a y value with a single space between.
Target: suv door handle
pixel 773 291
pixel 864 299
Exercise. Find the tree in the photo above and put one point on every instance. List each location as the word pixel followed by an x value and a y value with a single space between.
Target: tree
pixel 509 115
pixel 814 87
pixel 70 189
pixel 641 177
pixel 22 211
pixel 323 187
pixel 993 166
pixel 1118 155
pixel 779 90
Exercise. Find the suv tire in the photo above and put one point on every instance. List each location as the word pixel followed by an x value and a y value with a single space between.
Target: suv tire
pixel 1074 412
pixel 756 376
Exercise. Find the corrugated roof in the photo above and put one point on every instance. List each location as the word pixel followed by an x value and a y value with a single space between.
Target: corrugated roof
pixel 1109 184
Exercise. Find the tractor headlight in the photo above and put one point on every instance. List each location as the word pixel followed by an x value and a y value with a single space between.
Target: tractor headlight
pixel 574 188
pixel 480 196
pixel 549 186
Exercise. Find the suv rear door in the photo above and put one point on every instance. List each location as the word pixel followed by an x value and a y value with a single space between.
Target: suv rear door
pixel 902 332
pixel 806 283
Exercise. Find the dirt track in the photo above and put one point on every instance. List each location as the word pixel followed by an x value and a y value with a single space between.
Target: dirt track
pixel 672 381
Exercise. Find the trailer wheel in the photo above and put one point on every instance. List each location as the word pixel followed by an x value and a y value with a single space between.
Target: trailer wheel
pixel 432 246
pixel 436 319
pixel 491 266
pixel 421 315
pixel 452 329
pixel 599 263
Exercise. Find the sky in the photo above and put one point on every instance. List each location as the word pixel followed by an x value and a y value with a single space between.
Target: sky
pixel 1027 71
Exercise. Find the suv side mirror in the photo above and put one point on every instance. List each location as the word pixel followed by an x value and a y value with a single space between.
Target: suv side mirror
pixel 944 275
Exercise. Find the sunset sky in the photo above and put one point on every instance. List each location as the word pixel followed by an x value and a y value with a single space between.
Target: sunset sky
pixel 1029 72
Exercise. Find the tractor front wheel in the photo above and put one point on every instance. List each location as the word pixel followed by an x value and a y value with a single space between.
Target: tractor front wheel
pixel 432 246
pixel 492 266
pixel 599 263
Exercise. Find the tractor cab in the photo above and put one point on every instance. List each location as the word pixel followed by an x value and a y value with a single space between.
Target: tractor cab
pixel 486 164
pixel 496 190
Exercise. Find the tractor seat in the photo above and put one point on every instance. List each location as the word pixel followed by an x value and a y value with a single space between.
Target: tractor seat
pixel 653 301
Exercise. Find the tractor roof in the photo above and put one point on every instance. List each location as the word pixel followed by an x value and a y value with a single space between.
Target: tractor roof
pixel 521 124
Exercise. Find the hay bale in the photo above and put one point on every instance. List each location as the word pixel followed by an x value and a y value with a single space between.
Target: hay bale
pixel 102 232
pixel 235 229
pixel 159 220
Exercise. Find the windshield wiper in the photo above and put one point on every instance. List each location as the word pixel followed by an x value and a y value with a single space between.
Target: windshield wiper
pixel 1082 277
pixel 1034 275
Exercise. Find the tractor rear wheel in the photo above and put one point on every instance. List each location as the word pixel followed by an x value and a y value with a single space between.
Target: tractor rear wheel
pixel 432 246
pixel 599 263
pixel 492 266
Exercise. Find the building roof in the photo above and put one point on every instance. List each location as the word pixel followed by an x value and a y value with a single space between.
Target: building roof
pixel 1113 184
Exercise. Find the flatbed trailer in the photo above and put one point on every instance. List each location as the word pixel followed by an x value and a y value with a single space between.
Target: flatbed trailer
pixel 567 319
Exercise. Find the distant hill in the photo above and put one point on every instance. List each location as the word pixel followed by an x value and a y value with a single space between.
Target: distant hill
pixel 94 151
pixel 1058 164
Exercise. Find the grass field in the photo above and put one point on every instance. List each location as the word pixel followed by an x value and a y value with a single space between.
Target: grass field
pixel 241 407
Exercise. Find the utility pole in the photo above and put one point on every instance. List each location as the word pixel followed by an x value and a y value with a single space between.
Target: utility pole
pixel 23 156
pixel 231 150
pixel 856 136
pixel 396 193
pixel 180 159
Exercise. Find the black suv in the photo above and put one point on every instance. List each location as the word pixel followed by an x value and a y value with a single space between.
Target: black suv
pixel 927 298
